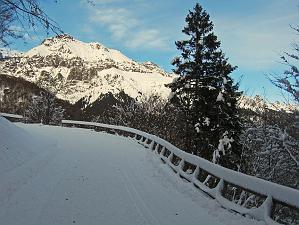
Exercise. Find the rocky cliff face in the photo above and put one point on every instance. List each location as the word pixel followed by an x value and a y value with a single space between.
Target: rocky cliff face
pixel 76 70
pixel 16 94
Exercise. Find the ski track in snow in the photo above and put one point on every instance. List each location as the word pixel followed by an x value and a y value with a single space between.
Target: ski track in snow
pixel 92 178
pixel 138 201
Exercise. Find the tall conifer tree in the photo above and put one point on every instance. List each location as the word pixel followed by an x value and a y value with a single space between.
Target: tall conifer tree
pixel 206 92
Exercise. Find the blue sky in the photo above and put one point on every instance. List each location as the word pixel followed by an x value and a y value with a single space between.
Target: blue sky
pixel 253 33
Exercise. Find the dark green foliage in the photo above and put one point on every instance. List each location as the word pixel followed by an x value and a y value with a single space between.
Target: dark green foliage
pixel 206 92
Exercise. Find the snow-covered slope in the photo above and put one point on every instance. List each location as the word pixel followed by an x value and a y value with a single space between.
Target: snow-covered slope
pixel 18 146
pixel 114 80
pixel 67 47
pixel 8 53
pixel 75 70
pixel 13 150
pixel 257 103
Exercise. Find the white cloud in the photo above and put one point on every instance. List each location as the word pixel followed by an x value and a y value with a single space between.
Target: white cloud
pixel 127 28
pixel 252 41
pixel 99 2
pixel 255 42
pixel 151 38
pixel 30 34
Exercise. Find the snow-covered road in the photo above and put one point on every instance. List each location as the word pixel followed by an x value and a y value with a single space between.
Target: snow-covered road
pixel 90 178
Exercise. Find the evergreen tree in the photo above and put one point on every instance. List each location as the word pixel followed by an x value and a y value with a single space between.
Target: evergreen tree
pixel 206 93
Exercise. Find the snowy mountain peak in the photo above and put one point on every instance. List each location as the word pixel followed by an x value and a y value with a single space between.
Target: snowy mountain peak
pixel 74 70
pixel 68 47
pixel 63 37
pixel 8 53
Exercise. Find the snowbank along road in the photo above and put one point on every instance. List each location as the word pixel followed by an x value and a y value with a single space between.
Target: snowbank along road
pixel 55 175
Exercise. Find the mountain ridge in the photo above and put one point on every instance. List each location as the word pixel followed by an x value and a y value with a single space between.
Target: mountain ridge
pixel 84 72
pixel 74 70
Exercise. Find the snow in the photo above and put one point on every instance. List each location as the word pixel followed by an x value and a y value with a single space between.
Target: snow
pixel 112 71
pixel 257 103
pixel 211 87
pixel 206 121
pixel 7 53
pixel 224 80
pixel 86 177
pixel 281 193
pixel 171 95
pixel 68 47
pixel 223 142
pixel 11 115
pixel 18 146
pixel 131 82
pixel 220 97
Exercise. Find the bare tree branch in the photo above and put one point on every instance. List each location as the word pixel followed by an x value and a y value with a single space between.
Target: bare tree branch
pixel 288 81
pixel 18 17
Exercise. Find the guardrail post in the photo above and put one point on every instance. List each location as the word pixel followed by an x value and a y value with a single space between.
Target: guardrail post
pixel 157 148
pixel 196 172
pixel 144 140
pixel 182 164
pixel 219 189
pixel 136 137
pixel 264 211
pixel 163 151
pixel 170 157
pixel 152 145
pixel 268 203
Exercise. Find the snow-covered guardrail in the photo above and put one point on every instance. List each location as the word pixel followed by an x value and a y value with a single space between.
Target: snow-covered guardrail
pixel 12 117
pixel 271 192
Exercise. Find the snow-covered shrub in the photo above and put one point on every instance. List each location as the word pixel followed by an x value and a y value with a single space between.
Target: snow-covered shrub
pixel 270 150
pixel 44 109
pixel 271 154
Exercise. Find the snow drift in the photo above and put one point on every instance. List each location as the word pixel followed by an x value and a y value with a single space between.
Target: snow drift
pixel 17 146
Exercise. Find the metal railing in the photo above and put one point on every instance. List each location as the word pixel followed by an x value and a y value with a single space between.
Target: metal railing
pixel 12 117
pixel 181 162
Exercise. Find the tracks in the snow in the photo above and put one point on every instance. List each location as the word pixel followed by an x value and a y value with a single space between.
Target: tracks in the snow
pixel 139 202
